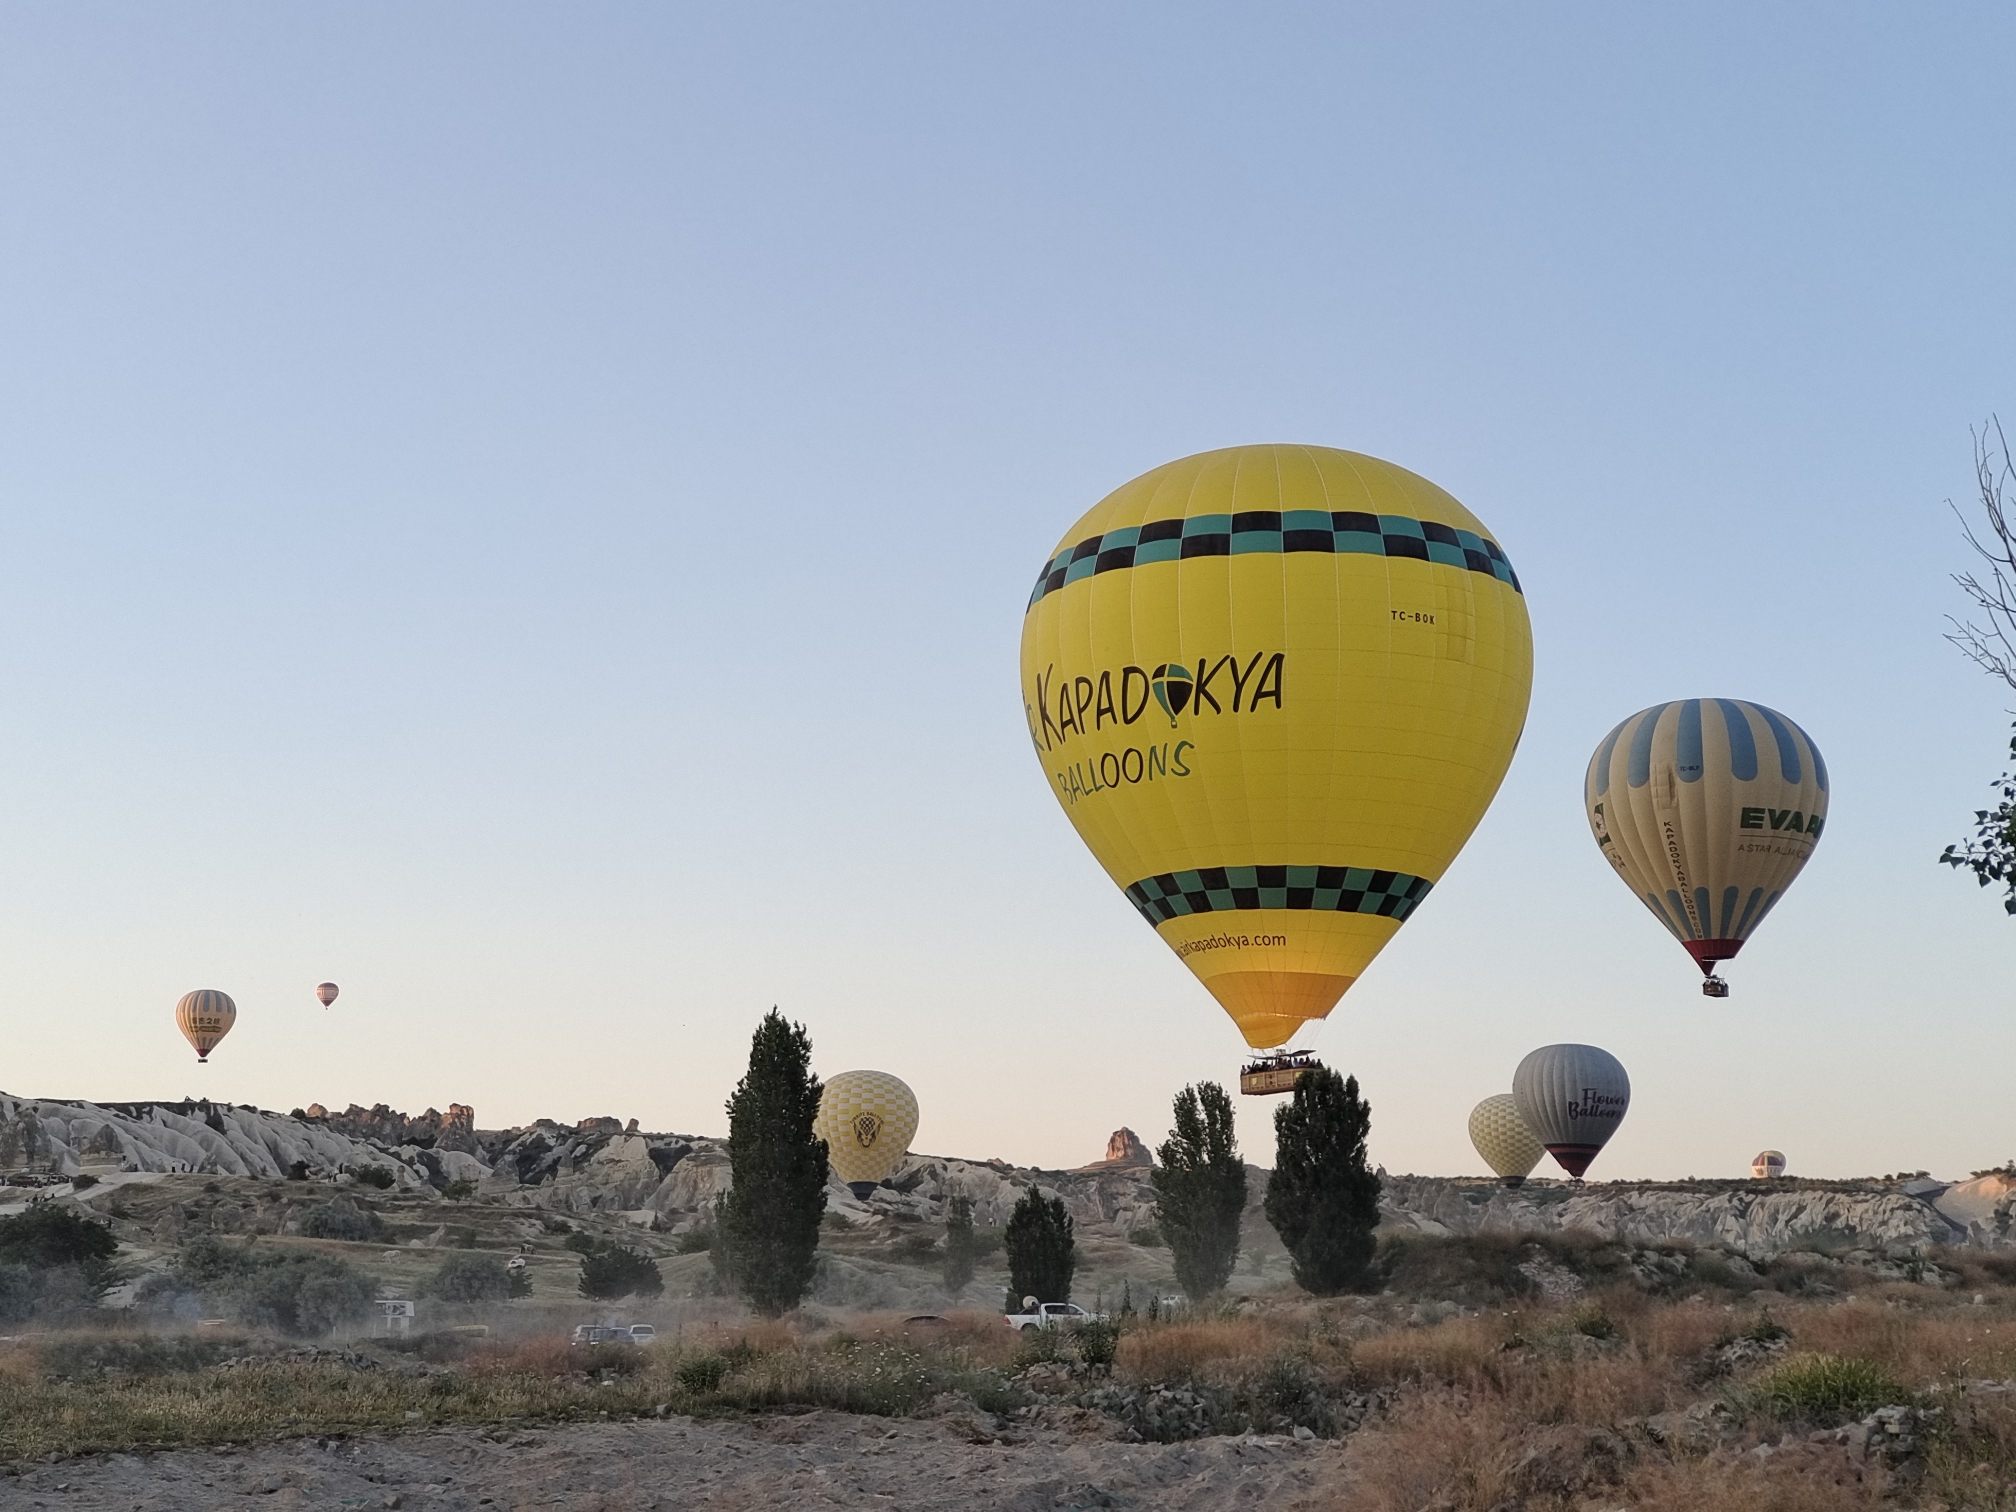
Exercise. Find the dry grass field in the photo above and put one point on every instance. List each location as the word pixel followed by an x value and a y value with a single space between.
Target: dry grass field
pixel 1487 1375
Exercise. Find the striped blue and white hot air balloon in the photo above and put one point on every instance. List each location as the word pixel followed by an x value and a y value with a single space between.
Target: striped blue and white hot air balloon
pixel 1707 808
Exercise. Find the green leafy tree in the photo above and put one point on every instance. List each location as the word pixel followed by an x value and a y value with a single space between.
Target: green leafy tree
pixel 1323 1199
pixel 292 1292
pixel 49 1236
pixel 1990 642
pixel 470 1277
pixel 615 1270
pixel 1200 1191
pixel 960 1248
pixel 1041 1252
pixel 770 1216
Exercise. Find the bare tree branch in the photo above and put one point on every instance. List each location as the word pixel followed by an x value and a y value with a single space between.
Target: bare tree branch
pixel 1992 646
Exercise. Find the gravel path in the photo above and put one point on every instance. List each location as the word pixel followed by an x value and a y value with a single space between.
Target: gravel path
pixel 819 1459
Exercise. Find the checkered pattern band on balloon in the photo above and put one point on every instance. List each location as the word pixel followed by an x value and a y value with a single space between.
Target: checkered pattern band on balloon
pixel 1328 889
pixel 1341 531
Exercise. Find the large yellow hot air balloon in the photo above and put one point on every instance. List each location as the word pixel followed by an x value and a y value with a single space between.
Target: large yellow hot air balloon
pixel 205 1017
pixel 1274 688
pixel 867 1119
pixel 1707 808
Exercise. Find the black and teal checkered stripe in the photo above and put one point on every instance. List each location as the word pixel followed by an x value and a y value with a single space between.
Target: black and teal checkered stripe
pixel 1276 531
pixel 1329 889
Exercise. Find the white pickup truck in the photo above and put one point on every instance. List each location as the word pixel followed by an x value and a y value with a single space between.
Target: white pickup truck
pixel 1052 1315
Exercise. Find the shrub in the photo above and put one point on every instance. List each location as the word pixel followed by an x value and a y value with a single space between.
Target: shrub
pixel 456 1191
pixel 1147 1236
pixel 1822 1388
pixel 79 1182
pixel 620 1272
pixel 581 1244
pixel 1041 1251
pixel 556 1225
pixel 1098 1343
pixel 375 1176
pixel 341 1219
pixel 696 1241
pixel 469 1278
pixel 701 1373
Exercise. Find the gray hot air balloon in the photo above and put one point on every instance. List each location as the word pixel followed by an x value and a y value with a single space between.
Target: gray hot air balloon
pixel 1572 1097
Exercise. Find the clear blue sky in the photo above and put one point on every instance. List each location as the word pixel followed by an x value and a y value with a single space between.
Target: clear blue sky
pixel 526 511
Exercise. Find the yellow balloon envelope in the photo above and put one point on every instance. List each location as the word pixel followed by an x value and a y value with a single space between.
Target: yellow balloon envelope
pixel 1275 688
pixel 867 1119
pixel 205 1017
pixel 1707 808
pixel 1502 1138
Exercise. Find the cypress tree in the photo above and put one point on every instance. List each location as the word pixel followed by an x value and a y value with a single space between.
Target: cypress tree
pixel 959 1247
pixel 770 1216
pixel 1041 1252
pixel 1200 1190
pixel 1323 1199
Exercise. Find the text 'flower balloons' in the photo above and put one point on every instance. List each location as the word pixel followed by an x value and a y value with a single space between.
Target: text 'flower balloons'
pixel 1707 808
pixel 205 1017
pixel 1274 688
pixel 1502 1138
pixel 867 1119
pixel 1572 1097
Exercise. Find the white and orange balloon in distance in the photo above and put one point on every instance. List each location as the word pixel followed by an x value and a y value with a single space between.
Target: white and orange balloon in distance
pixel 1707 808
pixel 1274 688
pixel 205 1017
pixel 327 993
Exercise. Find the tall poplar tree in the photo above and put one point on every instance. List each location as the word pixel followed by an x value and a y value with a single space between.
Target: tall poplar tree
pixel 1323 1199
pixel 1200 1190
pixel 770 1216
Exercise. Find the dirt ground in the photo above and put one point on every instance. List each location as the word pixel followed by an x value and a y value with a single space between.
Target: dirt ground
pixel 817 1459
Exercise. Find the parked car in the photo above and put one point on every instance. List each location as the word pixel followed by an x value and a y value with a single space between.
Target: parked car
pixel 642 1333
pixel 586 1334
pixel 1052 1315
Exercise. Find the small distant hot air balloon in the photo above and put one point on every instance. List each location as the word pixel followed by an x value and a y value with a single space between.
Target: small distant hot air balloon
pixel 867 1119
pixel 327 992
pixel 1274 688
pixel 1502 1138
pixel 205 1017
pixel 1707 808
pixel 1572 1097
pixel 1768 1164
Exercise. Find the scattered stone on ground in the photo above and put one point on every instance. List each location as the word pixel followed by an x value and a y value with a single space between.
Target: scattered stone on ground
pixel 811 1460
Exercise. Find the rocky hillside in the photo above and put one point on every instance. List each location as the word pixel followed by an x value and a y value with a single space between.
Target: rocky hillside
pixel 609 1168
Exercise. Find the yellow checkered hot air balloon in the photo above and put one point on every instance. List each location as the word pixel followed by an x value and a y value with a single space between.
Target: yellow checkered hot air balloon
pixel 867 1119
pixel 1502 1138
pixel 205 1017
pixel 1274 688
